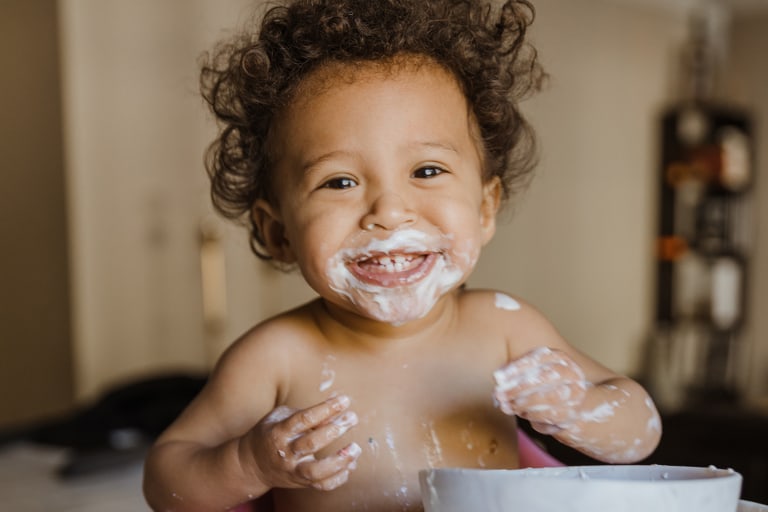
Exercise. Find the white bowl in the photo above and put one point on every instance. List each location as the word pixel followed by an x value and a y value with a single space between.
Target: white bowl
pixel 650 488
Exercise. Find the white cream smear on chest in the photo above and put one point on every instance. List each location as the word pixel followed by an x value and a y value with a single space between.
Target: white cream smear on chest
pixel 399 303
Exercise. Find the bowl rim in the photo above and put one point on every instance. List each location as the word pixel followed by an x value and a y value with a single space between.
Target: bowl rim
pixel 597 473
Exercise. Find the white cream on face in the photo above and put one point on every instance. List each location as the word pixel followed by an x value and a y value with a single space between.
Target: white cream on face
pixel 413 297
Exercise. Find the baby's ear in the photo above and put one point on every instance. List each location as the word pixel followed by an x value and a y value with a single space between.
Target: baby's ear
pixel 490 207
pixel 269 223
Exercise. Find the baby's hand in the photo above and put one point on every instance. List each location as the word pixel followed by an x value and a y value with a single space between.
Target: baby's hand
pixel 284 446
pixel 544 386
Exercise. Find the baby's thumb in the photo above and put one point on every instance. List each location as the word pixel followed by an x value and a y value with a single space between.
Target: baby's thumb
pixel 279 413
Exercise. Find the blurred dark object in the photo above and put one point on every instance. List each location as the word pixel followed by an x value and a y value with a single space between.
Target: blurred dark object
pixel 117 429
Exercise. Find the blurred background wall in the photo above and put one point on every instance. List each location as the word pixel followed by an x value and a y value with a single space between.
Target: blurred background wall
pixel 114 267
pixel 36 357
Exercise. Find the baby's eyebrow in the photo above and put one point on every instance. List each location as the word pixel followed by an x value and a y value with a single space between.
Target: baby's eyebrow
pixel 447 146
pixel 314 161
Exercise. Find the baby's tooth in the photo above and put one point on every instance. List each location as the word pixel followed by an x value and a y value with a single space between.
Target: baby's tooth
pixel 392 263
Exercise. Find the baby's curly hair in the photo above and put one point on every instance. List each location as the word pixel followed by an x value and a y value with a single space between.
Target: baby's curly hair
pixel 250 78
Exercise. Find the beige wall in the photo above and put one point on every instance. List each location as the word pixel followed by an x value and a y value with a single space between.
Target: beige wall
pixel 35 357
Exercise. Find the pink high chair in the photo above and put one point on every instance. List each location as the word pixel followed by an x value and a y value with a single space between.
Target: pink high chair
pixel 531 456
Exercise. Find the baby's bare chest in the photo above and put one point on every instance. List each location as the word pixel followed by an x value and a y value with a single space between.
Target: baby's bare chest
pixel 412 415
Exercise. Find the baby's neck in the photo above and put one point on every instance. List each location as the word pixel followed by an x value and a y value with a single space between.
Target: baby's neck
pixel 343 326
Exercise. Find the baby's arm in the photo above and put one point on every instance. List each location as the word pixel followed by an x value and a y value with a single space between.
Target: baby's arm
pixel 219 453
pixel 582 404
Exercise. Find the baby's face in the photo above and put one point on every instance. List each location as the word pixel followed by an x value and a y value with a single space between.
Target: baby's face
pixel 380 193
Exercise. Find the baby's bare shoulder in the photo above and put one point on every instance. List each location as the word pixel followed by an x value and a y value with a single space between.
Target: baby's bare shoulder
pixel 273 338
pixel 262 359
pixel 264 356
pixel 250 379
pixel 488 303
pixel 521 324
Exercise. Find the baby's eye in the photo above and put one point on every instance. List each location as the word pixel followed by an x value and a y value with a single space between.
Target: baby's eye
pixel 340 183
pixel 427 172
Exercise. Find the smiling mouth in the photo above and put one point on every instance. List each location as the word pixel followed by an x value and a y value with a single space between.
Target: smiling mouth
pixel 393 269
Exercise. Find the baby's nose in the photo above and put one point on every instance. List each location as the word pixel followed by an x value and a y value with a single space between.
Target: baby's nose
pixel 388 211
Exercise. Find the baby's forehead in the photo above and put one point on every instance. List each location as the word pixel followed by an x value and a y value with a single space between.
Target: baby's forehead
pixel 330 76
pixel 321 83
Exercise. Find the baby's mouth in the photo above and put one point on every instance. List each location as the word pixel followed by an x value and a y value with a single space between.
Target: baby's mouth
pixel 393 269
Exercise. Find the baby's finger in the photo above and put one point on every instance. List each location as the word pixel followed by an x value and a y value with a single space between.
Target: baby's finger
pixel 506 406
pixel 548 429
pixel 556 394
pixel 531 378
pixel 523 369
pixel 529 360
pixel 323 472
pixel 333 482
pixel 279 414
pixel 308 419
pixel 539 367
pixel 323 435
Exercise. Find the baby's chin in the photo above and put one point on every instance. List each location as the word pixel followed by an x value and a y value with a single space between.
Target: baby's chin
pixel 382 311
pixel 394 306
pixel 399 314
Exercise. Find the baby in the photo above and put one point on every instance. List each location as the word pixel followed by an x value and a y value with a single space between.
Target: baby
pixel 370 145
